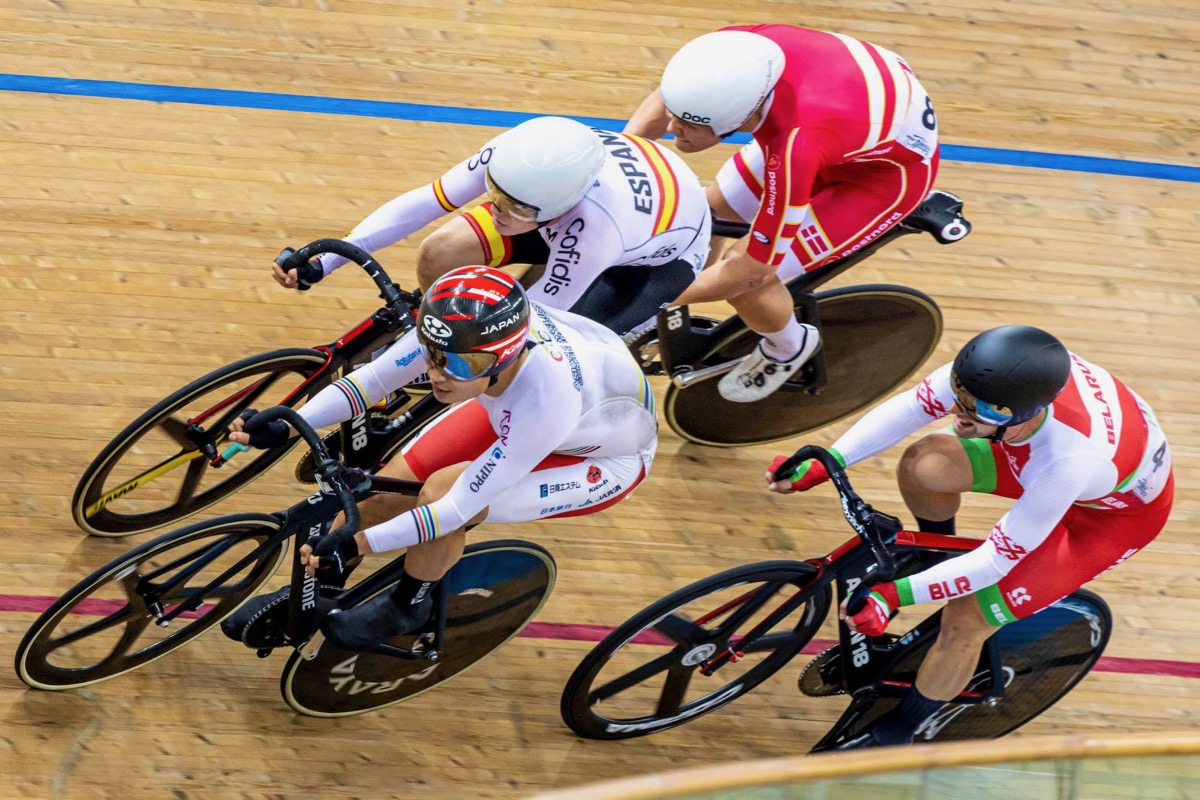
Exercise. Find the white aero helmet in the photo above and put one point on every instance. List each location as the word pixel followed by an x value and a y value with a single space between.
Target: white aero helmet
pixel 543 167
pixel 720 78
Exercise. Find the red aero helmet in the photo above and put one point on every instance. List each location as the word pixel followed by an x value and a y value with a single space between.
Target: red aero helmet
pixel 473 322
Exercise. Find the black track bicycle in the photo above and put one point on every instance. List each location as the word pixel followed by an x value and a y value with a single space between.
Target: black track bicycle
pixel 163 594
pixel 709 643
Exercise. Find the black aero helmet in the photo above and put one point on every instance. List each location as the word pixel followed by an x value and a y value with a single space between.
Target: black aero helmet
pixel 1005 376
pixel 473 322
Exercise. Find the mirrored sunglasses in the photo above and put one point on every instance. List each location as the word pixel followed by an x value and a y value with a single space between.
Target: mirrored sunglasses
pixel 980 410
pixel 508 206
pixel 459 366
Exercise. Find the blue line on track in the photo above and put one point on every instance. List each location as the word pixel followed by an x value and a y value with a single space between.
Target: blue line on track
pixel 416 112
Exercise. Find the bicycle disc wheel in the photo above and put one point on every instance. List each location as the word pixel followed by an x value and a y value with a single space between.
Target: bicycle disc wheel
pixel 495 589
pixel 1042 657
pixel 874 338
pixel 152 474
pixel 645 677
pixel 103 627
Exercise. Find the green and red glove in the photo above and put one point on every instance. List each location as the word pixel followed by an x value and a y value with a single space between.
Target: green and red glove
pixel 809 473
pixel 872 619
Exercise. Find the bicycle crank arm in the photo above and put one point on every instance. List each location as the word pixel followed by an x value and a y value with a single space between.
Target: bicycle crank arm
pixel 310 649
pixel 686 376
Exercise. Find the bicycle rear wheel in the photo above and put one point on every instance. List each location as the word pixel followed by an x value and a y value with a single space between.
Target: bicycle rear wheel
pixel 153 474
pixel 874 338
pixel 101 627
pixel 644 676
pixel 495 590
pixel 1042 657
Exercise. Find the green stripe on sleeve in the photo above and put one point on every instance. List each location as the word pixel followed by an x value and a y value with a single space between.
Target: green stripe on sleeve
pixel 995 610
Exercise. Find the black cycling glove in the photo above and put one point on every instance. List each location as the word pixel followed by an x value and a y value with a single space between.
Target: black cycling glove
pixel 265 435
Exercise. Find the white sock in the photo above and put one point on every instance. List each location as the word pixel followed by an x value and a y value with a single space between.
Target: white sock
pixel 785 344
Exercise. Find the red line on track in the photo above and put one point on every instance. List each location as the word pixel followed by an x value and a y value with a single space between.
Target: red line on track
pixel 565 631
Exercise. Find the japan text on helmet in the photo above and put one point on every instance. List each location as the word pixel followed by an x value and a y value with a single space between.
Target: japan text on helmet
pixel 1006 375
pixel 721 78
pixel 473 322
pixel 543 167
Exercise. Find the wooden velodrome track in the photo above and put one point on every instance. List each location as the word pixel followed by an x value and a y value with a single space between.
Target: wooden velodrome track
pixel 135 239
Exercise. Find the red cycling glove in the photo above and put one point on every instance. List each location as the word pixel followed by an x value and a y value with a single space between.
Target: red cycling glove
pixel 872 619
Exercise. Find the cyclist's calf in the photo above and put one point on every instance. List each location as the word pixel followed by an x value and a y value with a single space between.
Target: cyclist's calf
pixel 952 658
pixel 429 561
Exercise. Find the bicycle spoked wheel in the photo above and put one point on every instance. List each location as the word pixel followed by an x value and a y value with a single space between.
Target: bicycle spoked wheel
pixel 495 589
pixel 153 474
pixel 645 677
pixel 873 338
pixel 1042 657
pixel 104 627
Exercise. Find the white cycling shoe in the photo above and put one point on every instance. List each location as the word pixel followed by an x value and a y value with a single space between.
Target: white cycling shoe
pixel 759 375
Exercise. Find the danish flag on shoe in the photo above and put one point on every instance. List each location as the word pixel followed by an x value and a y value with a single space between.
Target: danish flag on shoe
pixel 477 283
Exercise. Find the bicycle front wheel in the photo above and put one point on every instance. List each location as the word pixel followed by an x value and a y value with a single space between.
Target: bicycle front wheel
pixel 1041 658
pixel 494 591
pixel 874 338
pixel 103 628
pixel 153 474
pixel 645 676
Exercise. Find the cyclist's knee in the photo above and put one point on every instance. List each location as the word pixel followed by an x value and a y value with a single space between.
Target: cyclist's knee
pixel 438 484
pixel 935 463
pixel 450 246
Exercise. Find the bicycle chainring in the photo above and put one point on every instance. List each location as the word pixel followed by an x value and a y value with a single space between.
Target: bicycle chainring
pixel 823 675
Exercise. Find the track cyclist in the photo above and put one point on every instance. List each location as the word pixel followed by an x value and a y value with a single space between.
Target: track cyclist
pixel 551 417
pixel 845 146
pixel 1082 455
pixel 620 223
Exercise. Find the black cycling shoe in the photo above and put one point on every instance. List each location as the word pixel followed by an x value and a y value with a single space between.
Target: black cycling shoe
pixel 260 621
pixel 375 621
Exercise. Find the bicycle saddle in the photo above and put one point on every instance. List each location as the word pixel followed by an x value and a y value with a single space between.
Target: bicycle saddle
pixel 940 215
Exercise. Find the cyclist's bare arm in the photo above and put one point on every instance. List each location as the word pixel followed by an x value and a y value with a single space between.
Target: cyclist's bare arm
pixel 650 119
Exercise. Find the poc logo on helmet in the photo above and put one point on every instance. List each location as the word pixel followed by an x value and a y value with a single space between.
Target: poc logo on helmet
pixel 434 327
pixel 688 117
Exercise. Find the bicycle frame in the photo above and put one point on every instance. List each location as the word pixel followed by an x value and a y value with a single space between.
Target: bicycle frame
pixel 866 660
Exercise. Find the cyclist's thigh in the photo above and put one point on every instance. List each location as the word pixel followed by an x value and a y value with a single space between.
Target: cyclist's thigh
pixel 569 486
pixel 624 297
pixel 460 435
pixel 738 189
pixel 495 249
pixel 1085 544
pixel 854 208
